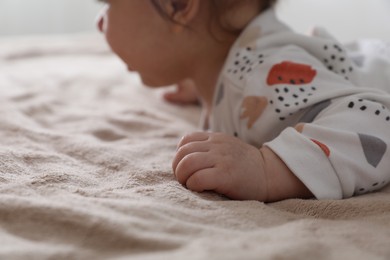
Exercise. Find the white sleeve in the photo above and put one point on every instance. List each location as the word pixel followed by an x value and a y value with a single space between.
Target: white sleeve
pixel 343 151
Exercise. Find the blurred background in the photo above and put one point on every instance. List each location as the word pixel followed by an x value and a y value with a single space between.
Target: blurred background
pixel 47 16
pixel 346 19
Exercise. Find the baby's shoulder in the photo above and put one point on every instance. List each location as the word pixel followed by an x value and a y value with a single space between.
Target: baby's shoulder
pixel 252 64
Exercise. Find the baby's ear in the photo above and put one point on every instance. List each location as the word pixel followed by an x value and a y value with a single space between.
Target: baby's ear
pixel 181 12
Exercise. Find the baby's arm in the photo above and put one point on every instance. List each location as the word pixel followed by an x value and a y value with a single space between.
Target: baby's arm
pixel 227 165
pixel 283 183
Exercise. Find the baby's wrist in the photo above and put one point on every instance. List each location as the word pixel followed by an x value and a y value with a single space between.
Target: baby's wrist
pixel 281 181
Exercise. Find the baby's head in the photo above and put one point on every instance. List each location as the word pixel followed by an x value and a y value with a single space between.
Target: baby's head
pixel 168 40
pixel 230 15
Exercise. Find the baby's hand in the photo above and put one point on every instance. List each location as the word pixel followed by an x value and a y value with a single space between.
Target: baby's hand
pixel 221 163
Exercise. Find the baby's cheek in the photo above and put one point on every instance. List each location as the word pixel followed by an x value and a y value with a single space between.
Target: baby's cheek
pixel 115 44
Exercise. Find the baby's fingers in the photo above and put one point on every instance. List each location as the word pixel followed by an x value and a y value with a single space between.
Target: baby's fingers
pixel 193 137
pixel 192 163
pixel 187 149
pixel 205 180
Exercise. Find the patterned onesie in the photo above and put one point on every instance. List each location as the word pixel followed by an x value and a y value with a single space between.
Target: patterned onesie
pixel 302 97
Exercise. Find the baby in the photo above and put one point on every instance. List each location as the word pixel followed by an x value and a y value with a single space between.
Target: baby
pixel 287 114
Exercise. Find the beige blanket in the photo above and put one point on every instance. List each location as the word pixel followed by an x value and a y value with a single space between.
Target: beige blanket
pixel 85 173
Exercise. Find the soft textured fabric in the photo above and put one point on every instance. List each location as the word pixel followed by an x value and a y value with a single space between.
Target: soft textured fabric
pixel 307 98
pixel 85 173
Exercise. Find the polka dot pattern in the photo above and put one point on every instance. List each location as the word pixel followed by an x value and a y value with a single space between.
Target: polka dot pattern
pixel 335 59
pixel 372 187
pixel 245 62
pixel 371 108
pixel 292 87
pixel 300 96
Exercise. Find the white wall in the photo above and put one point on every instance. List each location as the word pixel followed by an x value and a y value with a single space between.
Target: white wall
pixel 346 19
pixel 47 16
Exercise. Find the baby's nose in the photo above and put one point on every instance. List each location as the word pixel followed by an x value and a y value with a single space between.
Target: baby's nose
pixel 101 19
pixel 100 22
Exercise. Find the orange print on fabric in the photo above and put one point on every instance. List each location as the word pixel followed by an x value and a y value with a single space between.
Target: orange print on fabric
pixel 299 127
pixel 291 73
pixel 323 147
pixel 253 107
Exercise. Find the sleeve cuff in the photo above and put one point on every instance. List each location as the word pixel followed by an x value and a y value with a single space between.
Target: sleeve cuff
pixel 308 162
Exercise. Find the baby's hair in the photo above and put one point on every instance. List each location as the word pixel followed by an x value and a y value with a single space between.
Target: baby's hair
pixel 220 7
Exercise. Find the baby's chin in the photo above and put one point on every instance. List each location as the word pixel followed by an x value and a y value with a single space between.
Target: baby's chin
pixel 153 83
pixel 144 81
pixel 130 69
